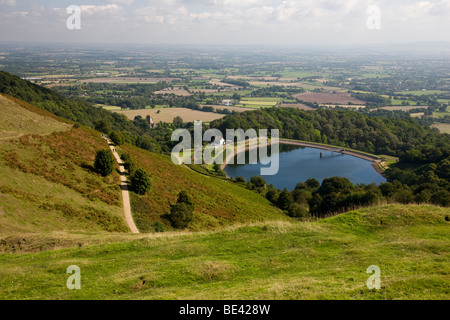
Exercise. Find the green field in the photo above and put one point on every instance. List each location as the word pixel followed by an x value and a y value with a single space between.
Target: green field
pixel 440 114
pixel 327 259
pixel 421 92
pixel 259 102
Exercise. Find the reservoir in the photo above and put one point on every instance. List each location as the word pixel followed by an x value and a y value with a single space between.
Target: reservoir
pixel 297 164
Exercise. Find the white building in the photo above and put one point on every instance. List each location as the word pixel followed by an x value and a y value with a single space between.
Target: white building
pixel 227 102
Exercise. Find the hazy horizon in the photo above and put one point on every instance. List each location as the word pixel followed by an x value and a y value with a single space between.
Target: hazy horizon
pixel 227 22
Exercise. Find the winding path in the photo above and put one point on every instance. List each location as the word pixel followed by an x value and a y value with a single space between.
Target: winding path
pixel 125 193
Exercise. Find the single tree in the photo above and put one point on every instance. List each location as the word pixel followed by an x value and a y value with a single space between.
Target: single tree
pixel 104 162
pixel 140 181
pixel 177 121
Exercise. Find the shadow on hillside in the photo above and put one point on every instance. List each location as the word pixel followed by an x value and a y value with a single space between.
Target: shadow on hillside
pixel 88 167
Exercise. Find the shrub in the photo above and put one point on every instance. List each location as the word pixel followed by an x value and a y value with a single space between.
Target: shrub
pixel 104 162
pixel 159 226
pixel 298 211
pixel 258 182
pixel 182 212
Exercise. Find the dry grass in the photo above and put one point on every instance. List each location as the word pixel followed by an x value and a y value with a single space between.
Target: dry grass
pixel 167 114
pixel 16 121
pixel 443 127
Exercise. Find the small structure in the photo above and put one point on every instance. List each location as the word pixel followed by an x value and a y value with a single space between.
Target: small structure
pixel 218 141
pixel 227 102
pixel 150 121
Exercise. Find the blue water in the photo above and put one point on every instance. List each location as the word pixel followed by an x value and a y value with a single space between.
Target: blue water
pixel 297 164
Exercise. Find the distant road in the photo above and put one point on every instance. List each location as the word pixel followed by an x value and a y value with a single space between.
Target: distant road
pixel 125 193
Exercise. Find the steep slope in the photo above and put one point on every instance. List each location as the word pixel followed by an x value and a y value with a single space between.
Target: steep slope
pixel 327 259
pixel 47 181
pixel 16 121
pixel 218 202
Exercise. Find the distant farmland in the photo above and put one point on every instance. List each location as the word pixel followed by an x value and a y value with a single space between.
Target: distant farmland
pixel 403 108
pixel 167 114
pixel 129 80
pixel 443 127
pixel 328 98
pixel 297 106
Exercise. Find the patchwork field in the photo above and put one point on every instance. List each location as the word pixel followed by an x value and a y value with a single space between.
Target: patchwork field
pixel 259 102
pixel 128 80
pixel 401 108
pixel 329 98
pixel 296 105
pixel 167 114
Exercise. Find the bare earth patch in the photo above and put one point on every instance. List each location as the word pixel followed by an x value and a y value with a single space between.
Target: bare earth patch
pixel 328 98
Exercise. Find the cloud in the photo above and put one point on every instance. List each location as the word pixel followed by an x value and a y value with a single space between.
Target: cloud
pixel 8 2
pixel 240 21
pixel 91 9
pixel 122 1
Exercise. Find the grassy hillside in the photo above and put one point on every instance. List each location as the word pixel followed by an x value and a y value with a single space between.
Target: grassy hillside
pixel 218 202
pixel 276 260
pixel 47 181
pixel 15 120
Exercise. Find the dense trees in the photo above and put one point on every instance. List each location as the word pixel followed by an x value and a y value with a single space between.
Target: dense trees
pixel 83 112
pixel 421 175
pixel 380 135
pixel 116 138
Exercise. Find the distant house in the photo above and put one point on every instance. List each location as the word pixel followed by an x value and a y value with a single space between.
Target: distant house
pixel 227 102
pixel 218 141
pixel 150 121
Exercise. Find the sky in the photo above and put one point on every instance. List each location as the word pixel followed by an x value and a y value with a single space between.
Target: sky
pixel 227 22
